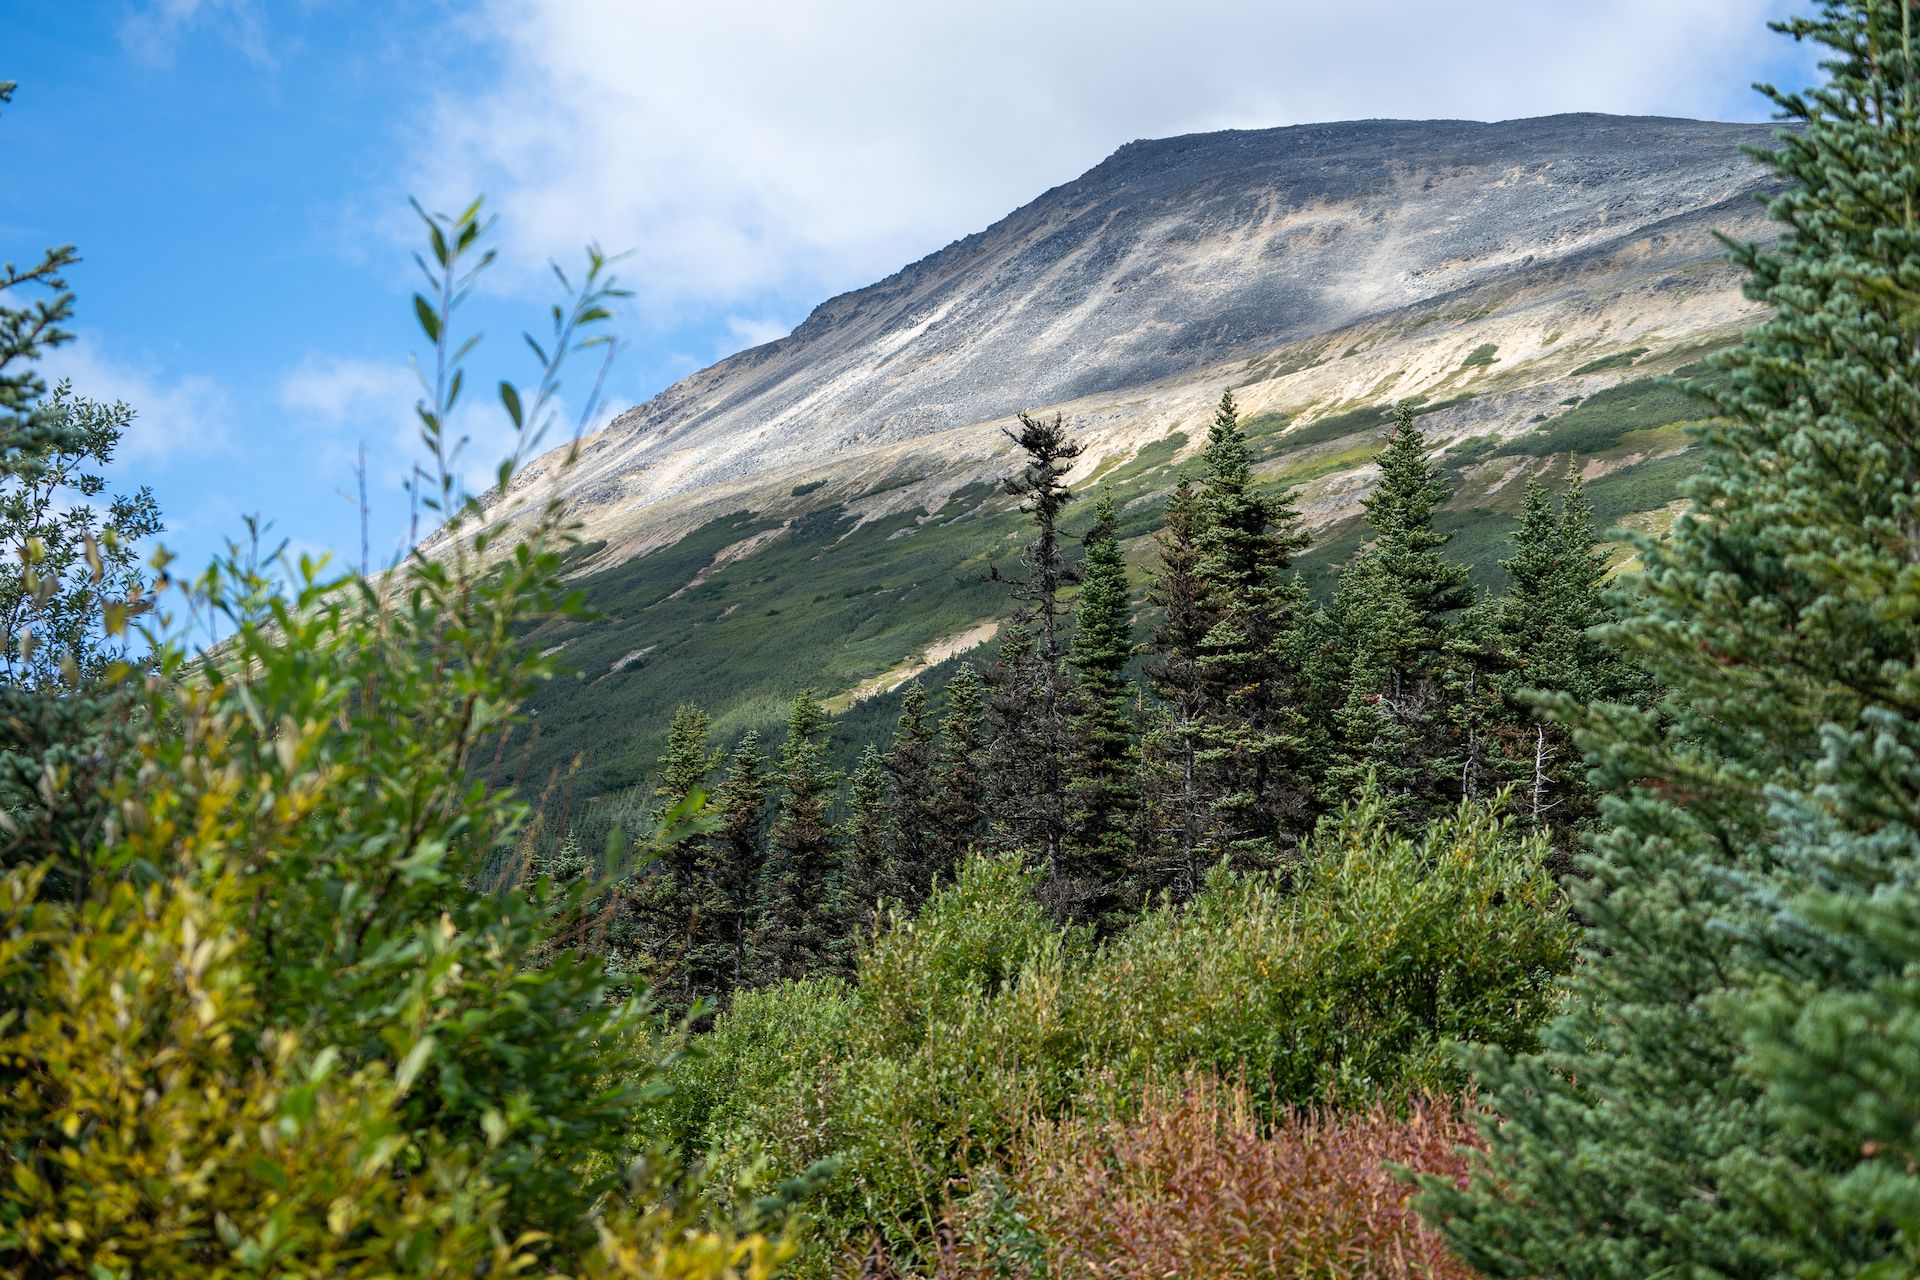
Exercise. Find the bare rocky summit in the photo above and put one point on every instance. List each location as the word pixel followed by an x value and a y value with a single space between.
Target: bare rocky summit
pixel 1172 255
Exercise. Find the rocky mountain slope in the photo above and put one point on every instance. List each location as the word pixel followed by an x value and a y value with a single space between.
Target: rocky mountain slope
pixel 831 493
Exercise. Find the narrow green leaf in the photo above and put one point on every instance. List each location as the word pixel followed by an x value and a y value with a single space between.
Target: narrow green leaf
pixel 429 322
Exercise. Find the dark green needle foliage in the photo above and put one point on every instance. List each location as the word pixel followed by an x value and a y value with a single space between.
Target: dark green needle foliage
pixel 1040 676
pixel 1171 845
pixel 913 846
pixel 862 877
pixel 1400 511
pixel 1022 813
pixel 653 930
pixel 1101 791
pixel 1252 752
pixel 1373 627
pixel 732 858
pixel 1391 617
pixel 960 816
pixel 1730 1091
pixel 1551 641
pixel 794 933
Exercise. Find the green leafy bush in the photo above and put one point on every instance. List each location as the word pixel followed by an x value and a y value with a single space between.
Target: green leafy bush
pixel 1346 979
pixel 290 1007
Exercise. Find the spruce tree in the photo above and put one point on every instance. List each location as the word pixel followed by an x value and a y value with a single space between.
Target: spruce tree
pixel 1373 625
pixel 1486 652
pixel 1400 512
pixel 1050 453
pixel 1101 791
pixel 732 859
pixel 1395 699
pixel 913 850
pixel 959 800
pixel 1730 1090
pixel 794 933
pixel 1021 812
pixel 864 874
pixel 1252 750
pixel 1548 635
pixel 661 905
pixel 1170 850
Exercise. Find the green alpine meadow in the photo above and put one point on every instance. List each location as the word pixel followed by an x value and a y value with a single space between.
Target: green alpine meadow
pixel 1321 700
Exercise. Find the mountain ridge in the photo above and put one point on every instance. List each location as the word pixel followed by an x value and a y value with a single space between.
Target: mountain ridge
pixel 819 511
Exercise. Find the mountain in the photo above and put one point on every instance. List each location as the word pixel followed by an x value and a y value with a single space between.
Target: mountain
pixel 819 511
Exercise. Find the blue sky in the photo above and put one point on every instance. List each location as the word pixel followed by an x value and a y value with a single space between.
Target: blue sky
pixel 235 173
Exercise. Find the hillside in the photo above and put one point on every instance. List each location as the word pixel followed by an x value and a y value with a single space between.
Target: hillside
pixel 820 511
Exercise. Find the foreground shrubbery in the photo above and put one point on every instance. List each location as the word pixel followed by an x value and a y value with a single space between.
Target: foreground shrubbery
pixel 1348 980
pixel 273 1000
pixel 1194 1183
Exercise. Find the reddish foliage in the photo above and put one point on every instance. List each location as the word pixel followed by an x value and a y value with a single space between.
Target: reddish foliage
pixel 1194 1185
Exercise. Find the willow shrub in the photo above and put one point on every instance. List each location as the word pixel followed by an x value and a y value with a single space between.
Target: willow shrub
pixel 1350 982
pixel 292 1012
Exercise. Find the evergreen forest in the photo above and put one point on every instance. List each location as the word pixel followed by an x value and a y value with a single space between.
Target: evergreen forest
pixel 1398 919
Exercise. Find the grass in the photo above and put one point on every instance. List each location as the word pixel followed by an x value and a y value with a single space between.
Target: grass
pixel 1481 356
pixel 1618 360
pixel 1605 419
pixel 1371 418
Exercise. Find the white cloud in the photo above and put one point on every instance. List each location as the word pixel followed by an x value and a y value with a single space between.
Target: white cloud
pixel 152 31
pixel 346 402
pixel 341 391
pixel 175 418
pixel 752 331
pixel 749 149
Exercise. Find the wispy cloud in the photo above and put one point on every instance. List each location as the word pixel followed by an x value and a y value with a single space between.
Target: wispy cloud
pixel 176 417
pixel 759 149
pixel 152 31
pixel 752 331
pixel 342 403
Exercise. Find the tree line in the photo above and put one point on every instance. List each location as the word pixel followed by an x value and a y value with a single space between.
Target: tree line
pixel 1127 750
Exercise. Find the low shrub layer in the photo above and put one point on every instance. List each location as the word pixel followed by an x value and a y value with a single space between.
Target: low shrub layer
pixel 1345 980
pixel 1193 1183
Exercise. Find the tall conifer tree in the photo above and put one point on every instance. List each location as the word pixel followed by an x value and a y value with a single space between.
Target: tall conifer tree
pixel 913 847
pixel 793 936
pixel 1040 677
pixel 1374 626
pixel 959 802
pixel 1402 592
pixel 1547 627
pixel 732 859
pixel 1101 792
pixel 659 910
pixel 1252 754
pixel 1021 812
pixel 1730 1091
pixel 1171 845
pixel 863 875
pixel 1400 511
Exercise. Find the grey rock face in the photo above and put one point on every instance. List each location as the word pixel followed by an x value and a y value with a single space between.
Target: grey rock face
pixel 1175 254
